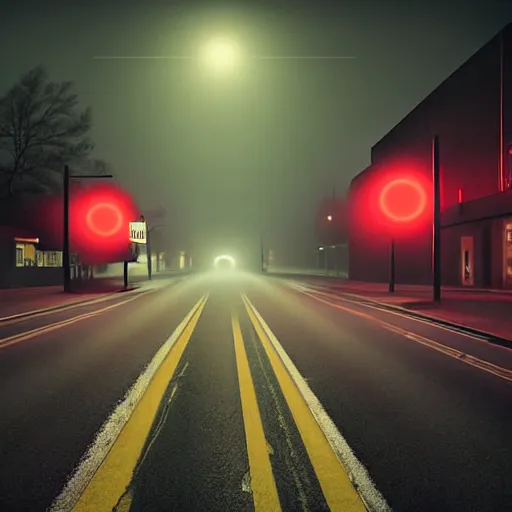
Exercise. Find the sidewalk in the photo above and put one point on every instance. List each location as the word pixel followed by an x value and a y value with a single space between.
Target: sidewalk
pixel 489 311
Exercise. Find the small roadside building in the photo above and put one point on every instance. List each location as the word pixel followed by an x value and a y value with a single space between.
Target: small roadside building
pixel 24 261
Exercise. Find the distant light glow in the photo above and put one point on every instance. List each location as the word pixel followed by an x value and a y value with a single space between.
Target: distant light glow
pixel 329 218
pixel 104 219
pixel 402 200
pixel 224 258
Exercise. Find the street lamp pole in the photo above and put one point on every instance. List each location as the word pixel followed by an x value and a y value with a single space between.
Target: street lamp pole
pixel 66 256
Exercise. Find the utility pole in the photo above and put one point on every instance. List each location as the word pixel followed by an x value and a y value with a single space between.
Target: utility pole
pixel 436 239
pixel 66 261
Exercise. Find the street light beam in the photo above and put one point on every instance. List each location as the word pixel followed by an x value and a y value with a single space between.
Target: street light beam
pixel 221 54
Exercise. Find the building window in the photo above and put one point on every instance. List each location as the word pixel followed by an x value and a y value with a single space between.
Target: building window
pixel 20 255
pixel 53 259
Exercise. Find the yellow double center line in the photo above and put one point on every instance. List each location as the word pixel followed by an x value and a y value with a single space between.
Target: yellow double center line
pixel 262 479
pixel 334 481
pixel 115 473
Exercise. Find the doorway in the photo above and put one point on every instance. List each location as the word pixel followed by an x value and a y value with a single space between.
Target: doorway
pixel 467 260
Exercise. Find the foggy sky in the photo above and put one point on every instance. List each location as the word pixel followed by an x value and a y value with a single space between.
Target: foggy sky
pixel 254 152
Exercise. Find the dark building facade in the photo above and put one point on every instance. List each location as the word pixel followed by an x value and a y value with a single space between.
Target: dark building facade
pixel 471 113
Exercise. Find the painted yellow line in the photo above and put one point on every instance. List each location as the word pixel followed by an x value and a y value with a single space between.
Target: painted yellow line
pixel 336 486
pixel 263 484
pixel 26 335
pixel 115 473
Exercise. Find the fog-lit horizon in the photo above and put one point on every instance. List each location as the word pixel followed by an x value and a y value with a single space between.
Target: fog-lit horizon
pixel 250 150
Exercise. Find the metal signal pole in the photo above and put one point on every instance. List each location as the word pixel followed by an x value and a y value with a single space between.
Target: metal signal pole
pixel 392 266
pixel 66 256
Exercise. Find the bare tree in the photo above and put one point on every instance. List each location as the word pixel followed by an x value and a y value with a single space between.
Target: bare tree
pixel 41 130
pixel 93 166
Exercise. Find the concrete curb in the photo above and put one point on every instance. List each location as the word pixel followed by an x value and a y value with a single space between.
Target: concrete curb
pixel 486 336
pixel 69 305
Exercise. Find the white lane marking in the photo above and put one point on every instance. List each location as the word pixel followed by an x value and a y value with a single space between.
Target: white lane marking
pixel 63 308
pixel 38 331
pixel 358 474
pixel 111 429
pixel 356 299
pixel 465 358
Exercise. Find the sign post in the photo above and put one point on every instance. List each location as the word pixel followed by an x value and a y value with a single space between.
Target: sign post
pixel 139 234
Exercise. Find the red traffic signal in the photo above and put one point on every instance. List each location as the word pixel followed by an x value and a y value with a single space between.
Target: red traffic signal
pixel 105 219
pixel 403 200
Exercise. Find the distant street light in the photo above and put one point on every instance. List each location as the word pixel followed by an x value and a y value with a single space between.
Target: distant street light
pixel 329 218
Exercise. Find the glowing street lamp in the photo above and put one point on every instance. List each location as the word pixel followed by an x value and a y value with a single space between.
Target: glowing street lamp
pixel 221 54
pixel 329 218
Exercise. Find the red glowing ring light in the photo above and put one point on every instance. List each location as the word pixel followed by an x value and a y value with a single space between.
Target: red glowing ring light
pixel 422 203
pixel 101 232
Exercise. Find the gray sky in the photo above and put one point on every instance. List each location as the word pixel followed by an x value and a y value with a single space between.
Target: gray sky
pixel 254 151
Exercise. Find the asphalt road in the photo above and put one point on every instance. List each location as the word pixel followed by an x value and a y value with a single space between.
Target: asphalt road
pixel 224 422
